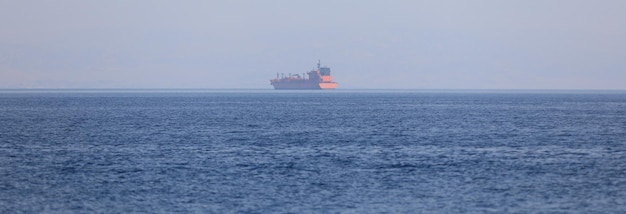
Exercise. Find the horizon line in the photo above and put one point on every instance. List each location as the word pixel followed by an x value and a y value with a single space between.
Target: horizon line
pixel 339 89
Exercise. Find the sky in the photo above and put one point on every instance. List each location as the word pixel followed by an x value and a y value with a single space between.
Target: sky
pixel 369 44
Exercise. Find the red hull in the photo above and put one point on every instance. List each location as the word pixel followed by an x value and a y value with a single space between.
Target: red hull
pixel 303 85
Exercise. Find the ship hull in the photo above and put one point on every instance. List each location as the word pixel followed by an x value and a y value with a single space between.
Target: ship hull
pixel 304 86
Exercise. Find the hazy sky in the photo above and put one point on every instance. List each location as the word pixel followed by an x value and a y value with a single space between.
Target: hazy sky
pixel 439 44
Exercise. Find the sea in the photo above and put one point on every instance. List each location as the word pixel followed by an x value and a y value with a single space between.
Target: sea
pixel 341 151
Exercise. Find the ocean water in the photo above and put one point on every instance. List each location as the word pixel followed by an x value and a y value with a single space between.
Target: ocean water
pixel 261 151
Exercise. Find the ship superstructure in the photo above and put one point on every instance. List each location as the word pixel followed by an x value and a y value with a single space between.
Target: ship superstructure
pixel 316 79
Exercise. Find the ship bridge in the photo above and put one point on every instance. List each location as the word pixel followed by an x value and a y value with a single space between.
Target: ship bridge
pixel 325 71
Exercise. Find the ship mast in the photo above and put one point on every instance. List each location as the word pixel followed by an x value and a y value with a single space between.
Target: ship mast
pixel 318 64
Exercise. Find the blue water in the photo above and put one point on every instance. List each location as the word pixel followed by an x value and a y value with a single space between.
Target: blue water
pixel 321 152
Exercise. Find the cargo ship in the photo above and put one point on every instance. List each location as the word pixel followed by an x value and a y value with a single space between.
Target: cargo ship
pixel 316 79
